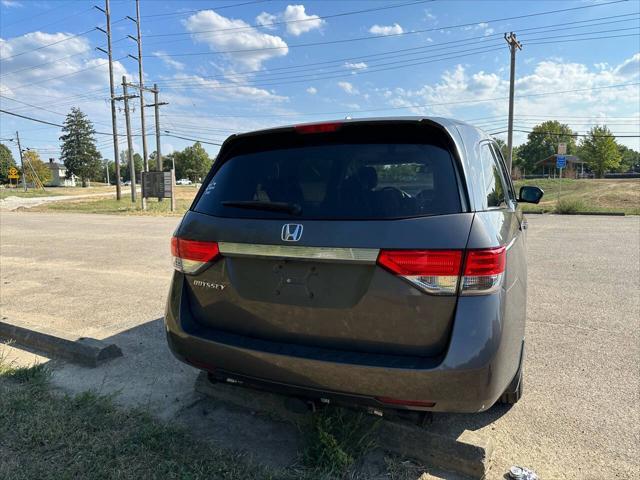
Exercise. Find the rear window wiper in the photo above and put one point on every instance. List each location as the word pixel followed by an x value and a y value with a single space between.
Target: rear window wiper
pixel 291 208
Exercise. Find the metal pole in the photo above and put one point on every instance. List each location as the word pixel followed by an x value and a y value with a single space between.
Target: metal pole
pixel 513 44
pixel 145 156
pixel 157 114
pixel 114 121
pixel 132 168
pixel 24 175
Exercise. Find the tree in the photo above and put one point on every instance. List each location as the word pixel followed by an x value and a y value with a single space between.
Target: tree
pixel 600 150
pixel 192 162
pixel 79 152
pixel 543 142
pixel 630 159
pixel 124 165
pixel 33 163
pixel 6 162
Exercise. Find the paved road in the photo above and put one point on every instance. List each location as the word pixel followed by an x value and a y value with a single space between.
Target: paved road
pixel 107 276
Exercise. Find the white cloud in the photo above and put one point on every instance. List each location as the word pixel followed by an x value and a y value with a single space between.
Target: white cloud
pixel 394 29
pixel 168 61
pixel 356 66
pixel 245 38
pixel 459 84
pixel 429 16
pixel 629 68
pixel 348 88
pixel 11 4
pixel 483 26
pixel 312 90
pixel 228 91
pixel 301 22
pixel 266 19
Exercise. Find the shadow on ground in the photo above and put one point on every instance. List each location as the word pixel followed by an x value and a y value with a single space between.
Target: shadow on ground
pixel 148 376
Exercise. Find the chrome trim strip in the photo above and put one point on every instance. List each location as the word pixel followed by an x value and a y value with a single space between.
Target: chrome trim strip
pixel 351 255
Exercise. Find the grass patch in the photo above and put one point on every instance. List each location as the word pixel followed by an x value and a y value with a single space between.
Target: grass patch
pixel 336 440
pixel 31 193
pixel 587 195
pixel 47 436
pixel 115 207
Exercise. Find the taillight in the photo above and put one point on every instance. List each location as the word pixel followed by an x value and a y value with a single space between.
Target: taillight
pixel 432 271
pixel 325 127
pixel 191 255
pixel 438 272
pixel 483 271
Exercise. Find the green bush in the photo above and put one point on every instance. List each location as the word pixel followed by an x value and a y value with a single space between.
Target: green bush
pixel 569 206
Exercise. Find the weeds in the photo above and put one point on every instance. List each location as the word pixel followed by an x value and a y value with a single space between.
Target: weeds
pixel 569 206
pixel 337 439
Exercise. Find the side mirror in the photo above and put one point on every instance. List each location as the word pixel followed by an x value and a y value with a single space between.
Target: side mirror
pixel 530 194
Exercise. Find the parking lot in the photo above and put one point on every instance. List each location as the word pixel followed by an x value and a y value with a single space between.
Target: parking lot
pixel 107 277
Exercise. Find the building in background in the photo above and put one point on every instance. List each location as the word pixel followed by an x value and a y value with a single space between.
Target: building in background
pixel 59 175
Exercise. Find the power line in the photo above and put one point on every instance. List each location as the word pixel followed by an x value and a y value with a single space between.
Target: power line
pixel 407 51
pixel 26 117
pixel 49 44
pixel 188 12
pixel 167 133
pixel 341 72
pixel 75 72
pixel 457 102
pixel 369 37
pixel 313 18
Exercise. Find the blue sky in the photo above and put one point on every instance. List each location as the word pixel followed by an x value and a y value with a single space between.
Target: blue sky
pixel 237 65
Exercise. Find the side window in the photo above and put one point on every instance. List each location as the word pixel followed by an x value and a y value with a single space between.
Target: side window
pixel 511 192
pixel 495 189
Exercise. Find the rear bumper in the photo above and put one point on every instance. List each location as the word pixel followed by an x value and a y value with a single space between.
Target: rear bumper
pixel 479 363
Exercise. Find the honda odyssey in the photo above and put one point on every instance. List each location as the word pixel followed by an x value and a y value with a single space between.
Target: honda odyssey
pixel 374 262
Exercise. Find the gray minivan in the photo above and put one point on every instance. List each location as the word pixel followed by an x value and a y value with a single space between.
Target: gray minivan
pixel 377 262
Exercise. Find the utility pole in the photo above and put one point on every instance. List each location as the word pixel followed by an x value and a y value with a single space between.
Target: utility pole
pixel 513 45
pixel 114 123
pixel 138 40
pixel 132 167
pixel 24 175
pixel 157 104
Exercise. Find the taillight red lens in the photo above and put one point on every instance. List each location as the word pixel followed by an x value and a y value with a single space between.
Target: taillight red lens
pixel 485 262
pixel 318 127
pixel 421 262
pixel 191 255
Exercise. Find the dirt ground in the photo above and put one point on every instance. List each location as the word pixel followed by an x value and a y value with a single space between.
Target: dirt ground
pixel 107 277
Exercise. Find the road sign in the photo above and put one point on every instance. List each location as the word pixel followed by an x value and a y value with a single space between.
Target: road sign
pixel 561 161
pixel 562 149
pixel 13 173
pixel 156 184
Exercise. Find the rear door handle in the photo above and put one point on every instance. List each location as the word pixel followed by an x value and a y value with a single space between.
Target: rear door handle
pixel 524 225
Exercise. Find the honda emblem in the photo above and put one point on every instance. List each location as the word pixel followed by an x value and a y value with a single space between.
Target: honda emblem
pixel 291 232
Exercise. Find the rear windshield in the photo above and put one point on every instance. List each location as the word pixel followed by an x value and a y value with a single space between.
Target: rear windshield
pixel 335 182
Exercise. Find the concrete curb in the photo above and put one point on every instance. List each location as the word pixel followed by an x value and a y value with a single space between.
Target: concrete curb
pixel 468 453
pixel 86 351
pixel 603 214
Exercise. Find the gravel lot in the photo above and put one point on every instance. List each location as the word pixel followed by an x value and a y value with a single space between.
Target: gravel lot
pixel 107 277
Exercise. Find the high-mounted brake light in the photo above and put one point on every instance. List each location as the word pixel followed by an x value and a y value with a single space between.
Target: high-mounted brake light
pixel 483 271
pixel 191 255
pixel 326 127
pixel 432 271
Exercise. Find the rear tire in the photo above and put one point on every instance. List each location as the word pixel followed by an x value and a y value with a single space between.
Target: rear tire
pixel 514 391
